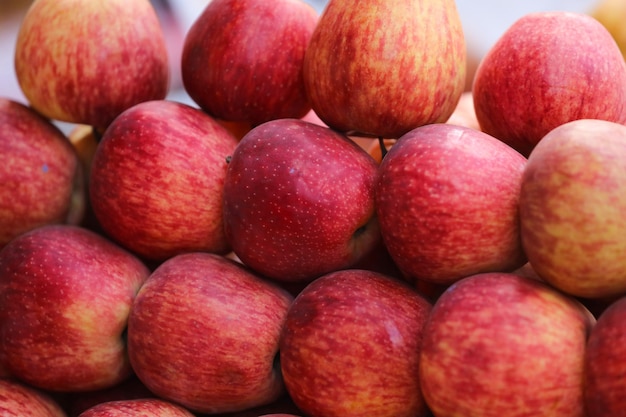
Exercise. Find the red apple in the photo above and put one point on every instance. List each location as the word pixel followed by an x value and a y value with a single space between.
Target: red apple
pixel 384 68
pixel 20 400
pixel 242 59
pixel 203 332
pixel 498 344
pixel 74 403
pixel 148 407
pixel 157 177
pixel 65 296
pixel 299 200
pixel 351 346
pixel 40 175
pixel 572 208
pixel 84 61
pixel 604 363
pixel 547 69
pixel 447 203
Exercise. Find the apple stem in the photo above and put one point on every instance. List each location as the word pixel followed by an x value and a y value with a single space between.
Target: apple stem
pixel 383 148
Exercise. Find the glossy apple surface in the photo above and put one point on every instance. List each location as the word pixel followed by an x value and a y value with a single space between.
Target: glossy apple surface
pixel 156 183
pixel 41 180
pixel 571 208
pixel 500 344
pixel 447 203
pixel 355 336
pixel 560 67
pixel 20 400
pixel 65 297
pixel 604 362
pixel 299 200
pixel 150 407
pixel 203 332
pixel 85 62
pixel 242 59
pixel 384 68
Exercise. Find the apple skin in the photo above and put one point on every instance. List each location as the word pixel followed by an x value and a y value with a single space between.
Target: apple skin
pixel 312 208
pixel 604 363
pixel 560 66
pixel 500 344
pixel 85 62
pixel 351 346
pixel 447 203
pixel 156 183
pixel 74 403
pixel 145 407
pixel 65 296
pixel 40 175
pixel 572 205
pixel 383 83
pixel 20 400
pixel 242 59
pixel 212 348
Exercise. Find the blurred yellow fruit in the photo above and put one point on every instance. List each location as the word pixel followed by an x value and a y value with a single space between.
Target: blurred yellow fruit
pixel 612 14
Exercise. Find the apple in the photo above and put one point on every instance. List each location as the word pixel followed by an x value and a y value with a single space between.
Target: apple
pixel 571 208
pixel 299 201
pixel 560 66
pixel 148 407
pixel 447 203
pixel 20 400
pixel 611 13
pixel 156 183
pixel 83 61
pixel 40 175
pixel 203 332
pixel 604 362
pixel 500 344
pixel 384 68
pixel 65 296
pixel 242 59
pixel 74 403
pixel 351 346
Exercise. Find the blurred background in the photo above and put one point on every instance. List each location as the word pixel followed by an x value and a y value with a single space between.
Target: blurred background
pixel 483 21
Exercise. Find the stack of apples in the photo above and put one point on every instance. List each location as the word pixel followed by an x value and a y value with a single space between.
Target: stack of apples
pixel 332 226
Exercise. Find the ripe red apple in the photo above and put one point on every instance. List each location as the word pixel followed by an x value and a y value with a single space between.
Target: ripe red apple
pixel 299 200
pixel 20 400
pixel 384 68
pixel 572 210
pixel 65 296
pixel 40 175
pixel 447 202
pixel 559 66
pixel 242 59
pixel 157 177
pixel 84 61
pixel 203 332
pixel 74 403
pixel 498 344
pixel 604 363
pixel 351 346
pixel 148 407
